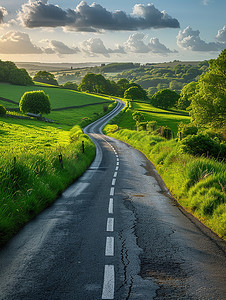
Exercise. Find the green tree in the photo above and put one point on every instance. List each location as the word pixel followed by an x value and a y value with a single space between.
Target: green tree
pixel 208 105
pixel 186 95
pixel 133 93
pixel 36 102
pixel 165 99
pixel 45 77
pixel 10 73
pixel 70 85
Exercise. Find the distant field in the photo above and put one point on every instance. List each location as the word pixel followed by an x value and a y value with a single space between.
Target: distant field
pixel 161 116
pixel 58 97
pixel 170 118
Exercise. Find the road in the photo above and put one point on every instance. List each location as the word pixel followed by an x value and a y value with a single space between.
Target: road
pixel 114 234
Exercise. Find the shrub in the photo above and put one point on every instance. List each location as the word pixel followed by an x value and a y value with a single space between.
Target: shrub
pixel 165 132
pixel 2 110
pixel 36 102
pixel 202 144
pixel 151 125
pixel 186 129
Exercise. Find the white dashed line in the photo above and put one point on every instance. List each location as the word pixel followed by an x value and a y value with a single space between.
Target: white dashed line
pixel 109 249
pixel 117 159
pixel 113 181
pixel 117 164
pixel 116 169
pixel 115 174
pixel 109 282
pixel 110 224
pixel 110 207
pixel 112 191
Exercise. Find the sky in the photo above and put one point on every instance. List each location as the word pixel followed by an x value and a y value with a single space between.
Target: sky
pixel 111 31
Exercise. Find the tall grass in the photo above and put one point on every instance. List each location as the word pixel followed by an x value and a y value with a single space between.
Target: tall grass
pixel 198 183
pixel 31 179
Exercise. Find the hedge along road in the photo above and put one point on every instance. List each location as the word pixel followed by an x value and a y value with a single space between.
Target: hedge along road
pixel 114 234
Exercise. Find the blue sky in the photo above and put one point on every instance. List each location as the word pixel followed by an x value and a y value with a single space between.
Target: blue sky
pixel 128 30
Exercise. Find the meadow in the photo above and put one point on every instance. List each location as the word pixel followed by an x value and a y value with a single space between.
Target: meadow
pixel 59 98
pixel 32 175
pixel 197 183
pixel 170 118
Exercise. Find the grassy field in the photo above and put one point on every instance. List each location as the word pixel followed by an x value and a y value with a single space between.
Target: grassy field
pixel 197 183
pixel 170 118
pixel 31 175
pixel 58 97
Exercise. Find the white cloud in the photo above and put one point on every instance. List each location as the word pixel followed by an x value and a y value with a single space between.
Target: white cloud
pixel 95 46
pixel 59 48
pixel 94 17
pixel 156 47
pixel 188 39
pixel 15 42
pixel 136 44
pixel 205 2
pixel 3 13
pixel 221 35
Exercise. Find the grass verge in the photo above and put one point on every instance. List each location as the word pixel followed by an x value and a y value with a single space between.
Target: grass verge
pixel 31 176
pixel 197 183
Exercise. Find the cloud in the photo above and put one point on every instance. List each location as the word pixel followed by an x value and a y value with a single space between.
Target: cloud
pixel 41 14
pixel 93 18
pixel 95 46
pixel 3 13
pixel 59 48
pixel 205 2
pixel 136 44
pixel 14 42
pixel 189 39
pixel 156 47
pixel 221 35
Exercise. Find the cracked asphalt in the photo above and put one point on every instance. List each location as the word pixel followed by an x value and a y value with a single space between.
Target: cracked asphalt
pixel 160 251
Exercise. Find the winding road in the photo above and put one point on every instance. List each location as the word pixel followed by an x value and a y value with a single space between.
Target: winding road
pixel 114 234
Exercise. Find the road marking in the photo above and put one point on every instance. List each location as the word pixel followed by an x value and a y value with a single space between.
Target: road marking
pixel 116 169
pixel 115 174
pixel 110 224
pixel 109 282
pixel 113 181
pixel 117 164
pixel 116 155
pixel 109 249
pixel 75 189
pixel 117 159
pixel 110 207
pixel 112 191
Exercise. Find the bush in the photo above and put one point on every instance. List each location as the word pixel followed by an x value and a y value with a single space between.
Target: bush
pixel 165 132
pixel 202 144
pixel 2 110
pixel 186 129
pixel 36 102
pixel 70 85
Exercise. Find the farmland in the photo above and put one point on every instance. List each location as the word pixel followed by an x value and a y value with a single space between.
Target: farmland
pixel 31 174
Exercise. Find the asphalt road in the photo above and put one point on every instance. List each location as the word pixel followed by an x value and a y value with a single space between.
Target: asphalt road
pixel 114 234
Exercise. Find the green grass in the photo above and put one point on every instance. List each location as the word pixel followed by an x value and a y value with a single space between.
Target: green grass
pixel 197 183
pixel 31 176
pixel 170 118
pixel 58 97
